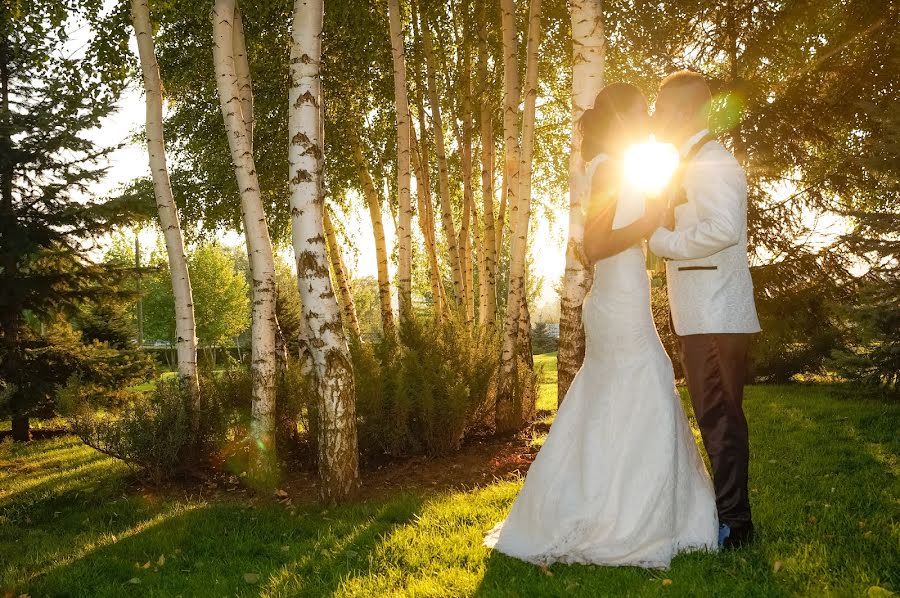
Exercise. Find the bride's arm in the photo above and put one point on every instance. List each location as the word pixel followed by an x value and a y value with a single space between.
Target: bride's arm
pixel 600 239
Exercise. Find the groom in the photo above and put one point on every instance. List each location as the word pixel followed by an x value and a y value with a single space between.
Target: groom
pixel 710 290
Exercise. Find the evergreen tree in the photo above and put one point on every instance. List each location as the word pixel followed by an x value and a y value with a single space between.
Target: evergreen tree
pixel 49 97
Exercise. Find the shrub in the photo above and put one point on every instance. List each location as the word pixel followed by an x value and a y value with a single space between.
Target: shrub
pixel 151 431
pixel 425 389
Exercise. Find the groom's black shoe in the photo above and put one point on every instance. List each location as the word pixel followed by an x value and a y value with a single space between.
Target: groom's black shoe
pixel 732 537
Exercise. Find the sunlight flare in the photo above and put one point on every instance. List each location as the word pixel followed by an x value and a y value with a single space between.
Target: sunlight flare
pixel 650 166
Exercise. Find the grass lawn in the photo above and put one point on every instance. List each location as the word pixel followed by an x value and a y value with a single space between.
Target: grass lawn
pixel 825 488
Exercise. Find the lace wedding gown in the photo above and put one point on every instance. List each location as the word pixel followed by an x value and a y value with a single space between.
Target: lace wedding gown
pixel 619 479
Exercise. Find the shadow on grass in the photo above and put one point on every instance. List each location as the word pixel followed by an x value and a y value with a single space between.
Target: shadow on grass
pixel 226 549
pixel 824 488
pixel 824 484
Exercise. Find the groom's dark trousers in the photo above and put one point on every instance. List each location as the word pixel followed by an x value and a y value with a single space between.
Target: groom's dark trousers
pixel 716 366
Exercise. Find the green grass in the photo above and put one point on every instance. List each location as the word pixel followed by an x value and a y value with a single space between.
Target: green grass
pixel 825 490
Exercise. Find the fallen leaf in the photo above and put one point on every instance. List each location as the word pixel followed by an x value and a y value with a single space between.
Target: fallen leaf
pixel 878 592
pixel 251 578
pixel 776 566
pixel 146 565
pixel 666 582
pixel 134 580
pixel 546 571
pixel 285 548
pixel 281 494
pixel 161 561
pixel 812 519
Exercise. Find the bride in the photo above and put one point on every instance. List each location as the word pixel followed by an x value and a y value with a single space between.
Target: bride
pixel 619 479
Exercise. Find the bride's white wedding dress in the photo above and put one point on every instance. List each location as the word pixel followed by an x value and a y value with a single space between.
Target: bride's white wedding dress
pixel 619 479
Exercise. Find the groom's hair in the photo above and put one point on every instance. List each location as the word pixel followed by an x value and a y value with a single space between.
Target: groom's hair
pixel 693 91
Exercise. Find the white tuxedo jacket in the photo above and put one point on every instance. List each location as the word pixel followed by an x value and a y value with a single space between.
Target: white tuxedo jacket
pixel 709 284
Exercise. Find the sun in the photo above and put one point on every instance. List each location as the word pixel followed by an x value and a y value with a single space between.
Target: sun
pixel 650 166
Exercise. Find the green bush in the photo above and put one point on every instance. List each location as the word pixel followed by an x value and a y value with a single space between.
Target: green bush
pixel 424 390
pixel 151 431
pixel 421 391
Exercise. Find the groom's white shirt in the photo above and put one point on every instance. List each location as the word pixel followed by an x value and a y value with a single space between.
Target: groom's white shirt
pixel 709 284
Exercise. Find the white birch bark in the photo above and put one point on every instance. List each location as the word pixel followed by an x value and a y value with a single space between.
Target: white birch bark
pixel 488 272
pixel 470 217
pixel 404 217
pixel 381 254
pixel 338 456
pixel 259 245
pixel 588 48
pixel 185 326
pixel 342 277
pixel 423 197
pixel 440 154
pixel 508 415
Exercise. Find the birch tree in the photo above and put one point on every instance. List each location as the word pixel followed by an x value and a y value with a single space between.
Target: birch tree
pixel 185 324
pixel 373 201
pixel 426 220
pixel 338 455
pixel 341 276
pixel 588 57
pixel 508 413
pixel 226 36
pixel 440 152
pixel 488 272
pixel 404 217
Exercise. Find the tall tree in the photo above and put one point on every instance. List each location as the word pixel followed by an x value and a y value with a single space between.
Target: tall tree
pixel 231 83
pixel 373 201
pixel 488 272
pixel 342 277
pixel 426 221
pixel 440 150
pixel 509 415
pixel 404 206
pixel 337 441
pixel 49 100
pixel 185 326
pixel 588 59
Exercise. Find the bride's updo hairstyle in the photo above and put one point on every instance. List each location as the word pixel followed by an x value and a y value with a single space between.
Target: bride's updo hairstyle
pixel 599 124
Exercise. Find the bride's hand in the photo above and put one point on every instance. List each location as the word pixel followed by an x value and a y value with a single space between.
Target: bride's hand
pixel 655 215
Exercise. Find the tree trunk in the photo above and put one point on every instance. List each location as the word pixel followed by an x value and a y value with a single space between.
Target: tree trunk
pixel 345 292
pixel 525 169
pixel 381 254
pixel 440 153
pixel 469 213
pixel 508 413
pixel 404 217
pixel 185 326
pixel 501 216
pixel 423 195
pixel 338 457
pixel 256 231
pixel 588 47
pixel 487 274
